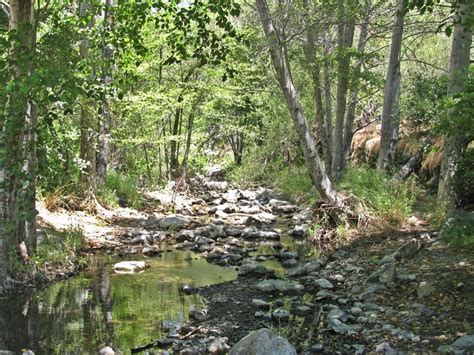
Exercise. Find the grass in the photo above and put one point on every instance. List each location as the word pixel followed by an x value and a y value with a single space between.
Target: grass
pixel 384 198
pixel 59 250
pixel 119 187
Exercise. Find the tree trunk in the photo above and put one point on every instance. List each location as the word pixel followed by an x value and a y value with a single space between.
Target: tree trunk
pixel 87 152
pixel 390 123
pixel 349 124
pixel 456 142
pixel 345 34
pixel 310 53
pixel 103 153
pixel 328 96
pixel 316 169
pixel 18 147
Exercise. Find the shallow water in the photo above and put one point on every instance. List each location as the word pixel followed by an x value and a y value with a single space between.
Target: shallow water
pixel 99 308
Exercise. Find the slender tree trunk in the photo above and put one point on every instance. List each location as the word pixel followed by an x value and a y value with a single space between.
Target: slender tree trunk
pixel 189 133
pixel 18 123
pixel 328 98
pixel 456 142
pixel 349 124
pixel 390 123
pixel 345 34
pixel 316 169
pixel 310 53
pixel 87 128
pixel 103 153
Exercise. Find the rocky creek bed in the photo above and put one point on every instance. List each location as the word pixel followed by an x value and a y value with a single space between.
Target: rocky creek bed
pixel 404 292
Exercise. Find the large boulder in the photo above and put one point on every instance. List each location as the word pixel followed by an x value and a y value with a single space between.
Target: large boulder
pixel 129 267
pixel 263 342
pixel 174 222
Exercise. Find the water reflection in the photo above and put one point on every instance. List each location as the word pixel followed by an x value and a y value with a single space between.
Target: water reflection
pixel 99 308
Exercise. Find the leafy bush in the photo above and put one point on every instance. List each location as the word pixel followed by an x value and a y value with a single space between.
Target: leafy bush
pixel 294 182
pixel 458 230
pixel 107 197
pixel 124 187
pixel 385 198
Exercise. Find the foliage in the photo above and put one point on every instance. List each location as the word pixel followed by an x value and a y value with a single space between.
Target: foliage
pixel 463 180
pixel 458 230
pixel 392 201
pixel 59 250
pixel 124 188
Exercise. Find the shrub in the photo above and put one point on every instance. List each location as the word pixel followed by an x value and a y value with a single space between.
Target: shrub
pixel 458 230
pixel 125 189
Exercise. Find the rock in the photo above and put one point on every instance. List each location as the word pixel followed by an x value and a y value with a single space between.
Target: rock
pixel 281 315
pixel 129 267
pixel 219 298
pixel 339 327
pixel 462 345
pixel 307 268
pixel 281 206
pixel 234 231
pixel 29 352
pixel 303 217
pixel 231 196
pixel 299 231
pixel 261 304
pixel 424 289
pixel 287 255
pixel 390 258
pixel 384 348
pixel 384 275
pixel 187 289
pixel 219 346
pixel 289 263
pixel 280 286
pixel 337 313
pixel 107 351
pixel 185 235
pixel 317 348
pixel 254 269
pixel 141 239
pixel 199 314
pixel 324 283
pixel 151 250
pixel 263 342
pixel 174 222
pixel 409 249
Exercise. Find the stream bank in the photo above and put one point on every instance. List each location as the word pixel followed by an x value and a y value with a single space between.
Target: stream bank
pixel 405 292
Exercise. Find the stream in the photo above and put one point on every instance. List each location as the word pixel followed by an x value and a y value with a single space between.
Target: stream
pixel 99 308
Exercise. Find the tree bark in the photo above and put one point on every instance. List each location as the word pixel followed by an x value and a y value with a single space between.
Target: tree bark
pixel 316 169
pixel 345 34
pixel 390 123
pixel 328 96
pixel 87 152
pixel 18 124
pixel 310 53
pixel 103 153
pixel 349 124
pixel 456 142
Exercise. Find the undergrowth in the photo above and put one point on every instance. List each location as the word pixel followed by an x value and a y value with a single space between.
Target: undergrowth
pixel 458 230
pixel 119 189
pixel 59 250
pixel 391 201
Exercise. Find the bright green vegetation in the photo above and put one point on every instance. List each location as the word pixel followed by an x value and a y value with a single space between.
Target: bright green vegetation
pixel 458 230
pixel 59 250
pixel 119 187
pixel 386 199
